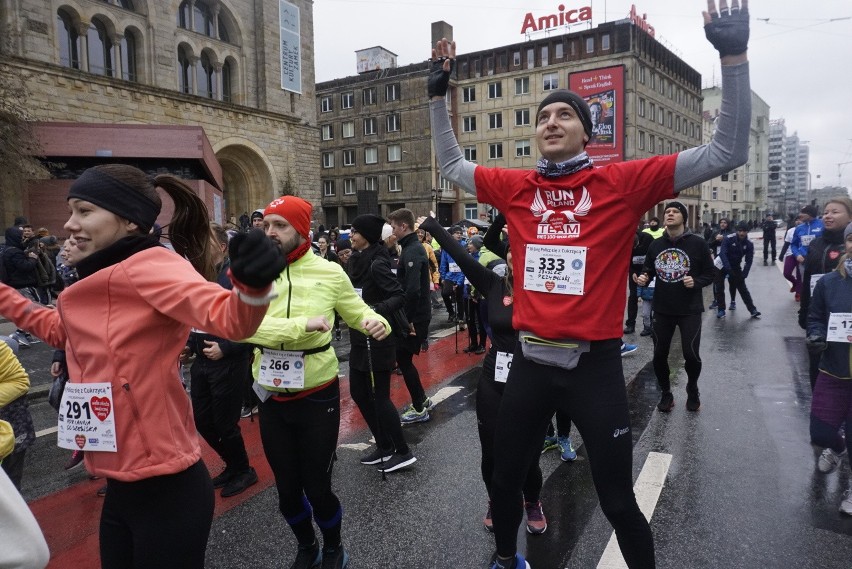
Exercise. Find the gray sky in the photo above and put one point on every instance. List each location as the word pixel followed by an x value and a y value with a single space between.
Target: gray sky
pixel 800 60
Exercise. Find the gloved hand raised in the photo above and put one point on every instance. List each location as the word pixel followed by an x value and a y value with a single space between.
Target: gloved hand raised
pixel 727 29
pixel 255 260
pixel 443 60
pixel 815 344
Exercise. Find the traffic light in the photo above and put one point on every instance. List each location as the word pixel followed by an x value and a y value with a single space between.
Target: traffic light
pixel 773 172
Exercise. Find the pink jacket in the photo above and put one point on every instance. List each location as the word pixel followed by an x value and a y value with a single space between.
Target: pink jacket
pixel 127 324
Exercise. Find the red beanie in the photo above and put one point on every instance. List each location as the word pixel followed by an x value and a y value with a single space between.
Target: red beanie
pixel 295 210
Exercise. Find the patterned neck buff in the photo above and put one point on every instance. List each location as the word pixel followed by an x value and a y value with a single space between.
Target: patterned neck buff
pixel 550 169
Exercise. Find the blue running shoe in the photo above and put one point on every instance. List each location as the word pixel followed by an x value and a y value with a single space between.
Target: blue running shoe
pixel 627 349
pixel 517 562
pixel 720 314
pixel 566 448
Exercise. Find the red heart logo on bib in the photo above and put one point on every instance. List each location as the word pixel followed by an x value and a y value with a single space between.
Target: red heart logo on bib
pixel 276 382
pixel 549 285
pixel 507 300
pixel 80 440
pixel 101 406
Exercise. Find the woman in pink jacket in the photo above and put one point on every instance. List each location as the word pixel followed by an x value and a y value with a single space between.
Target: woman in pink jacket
pixel 123 326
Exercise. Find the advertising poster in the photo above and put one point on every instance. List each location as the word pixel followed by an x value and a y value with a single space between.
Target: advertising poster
pixel 603 90
pixel 291 51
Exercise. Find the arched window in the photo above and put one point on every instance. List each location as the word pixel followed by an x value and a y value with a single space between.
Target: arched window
pixel 228 76
pixel 100 49
pixel 206 77
pixel 184 70
pixel 202 21
pixel 128 57
pixel 126 4
pixel 223 31
pixel 183 15
pixel 69 41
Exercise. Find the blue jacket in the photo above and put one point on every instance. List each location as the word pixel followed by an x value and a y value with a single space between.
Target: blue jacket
pixel 803 235
pixel 833 293
pixel 456 276
pixel 732 252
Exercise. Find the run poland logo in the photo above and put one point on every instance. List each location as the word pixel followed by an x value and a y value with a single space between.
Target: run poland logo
pixel 557 220
pixel 672 265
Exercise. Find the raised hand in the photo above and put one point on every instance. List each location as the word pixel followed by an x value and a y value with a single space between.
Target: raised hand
pixel 727 29
pixel 443 60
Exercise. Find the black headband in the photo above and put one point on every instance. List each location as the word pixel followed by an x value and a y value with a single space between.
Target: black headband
pixel 575 101
pixel 114 195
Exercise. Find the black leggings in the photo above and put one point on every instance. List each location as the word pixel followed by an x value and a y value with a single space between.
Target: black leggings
pixel 299 439
pixel 381 415
pixel 475 325
pixel 594 396
pixel 405 352
pixel 488 396
pixel 690 338
pixel 159 522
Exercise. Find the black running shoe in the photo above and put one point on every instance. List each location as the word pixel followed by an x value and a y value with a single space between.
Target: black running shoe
pixel 666 402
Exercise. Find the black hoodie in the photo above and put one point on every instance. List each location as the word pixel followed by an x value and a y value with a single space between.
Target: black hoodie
pixel 668 261
pixel 20 269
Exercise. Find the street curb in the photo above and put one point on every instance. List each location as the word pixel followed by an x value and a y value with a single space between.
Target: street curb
pixel 37 393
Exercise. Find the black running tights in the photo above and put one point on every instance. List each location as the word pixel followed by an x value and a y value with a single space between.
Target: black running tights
pixel 690 339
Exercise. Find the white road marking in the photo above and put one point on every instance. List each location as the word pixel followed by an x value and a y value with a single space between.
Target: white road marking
pixel 648 487
pixel 443 333
pixel 444 393
pixel 356 446
pixel 48 431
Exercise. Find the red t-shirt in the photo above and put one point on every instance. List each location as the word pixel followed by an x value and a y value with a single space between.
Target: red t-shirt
pixel 577 231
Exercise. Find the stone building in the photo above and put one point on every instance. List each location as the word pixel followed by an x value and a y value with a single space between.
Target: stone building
pixel 241 70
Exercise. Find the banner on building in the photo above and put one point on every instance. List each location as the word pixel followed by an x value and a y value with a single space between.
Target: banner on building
pixel 291 47
pixel 603 89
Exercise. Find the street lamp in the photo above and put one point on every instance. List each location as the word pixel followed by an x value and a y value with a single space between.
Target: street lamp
pixel 437 192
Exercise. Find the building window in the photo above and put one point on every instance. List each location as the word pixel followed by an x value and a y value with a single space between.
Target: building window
pixel 348 186
pixel 394 153
pixel 559 51
pixel 348 129
pixel 590 45
pixel 641 140
pixel 642 74
pixel 715 193
pixel 128 57
pixel 371 184
pixel 495 90
pixel 522 117
pixel 471 210
pixel 522 148
pixel 69 41
pixel 444 183
pixel 652 144
pixel 201 19
pixel 184 70
pixel 393 122
pixel 326 105
pixel 495 120
pixel 206 77
pixel 495 150
pixel 371 155
pixel 470 153
pixel 394 183
pixel 328 159
pixel 522 86
pixel 370 126
pixel 99 49
pixel 392 92
pixel 641 107
pixel 327 132
pixel 669 122
pixel 530 58
pixel 545 55
pixel 653 80
pixel 468 94
pixel 653 115
pixel 550 81
pixel 662 85
pixel 516 58
pixel 661 116
pixel 605 42
pixel 349 157
pixel 469 124
pixel 347 100
pixel 368 96
pixel 677 123
pixel 228 76
pixel 328 187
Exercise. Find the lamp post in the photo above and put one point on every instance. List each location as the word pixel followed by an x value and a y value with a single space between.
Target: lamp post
pixel 437 192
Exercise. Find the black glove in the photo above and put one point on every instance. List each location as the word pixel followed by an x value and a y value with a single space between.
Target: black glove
pixel 780 257
pixel 255 260
pixel 815 344
pixel 439 80
pixel 728 31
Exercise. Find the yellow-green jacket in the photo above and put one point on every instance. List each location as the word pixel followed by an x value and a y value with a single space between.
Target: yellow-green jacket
pixel 14 382
pixel 308 287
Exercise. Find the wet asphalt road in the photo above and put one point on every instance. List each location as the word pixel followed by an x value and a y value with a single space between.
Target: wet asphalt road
pixel 741 490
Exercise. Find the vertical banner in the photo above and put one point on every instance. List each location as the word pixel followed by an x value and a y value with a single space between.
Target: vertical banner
pixel 603 90
pixel 291 50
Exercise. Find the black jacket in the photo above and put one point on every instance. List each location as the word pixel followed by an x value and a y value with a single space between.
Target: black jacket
pixel 641 242
pixel 21 269
pixel 714 245
pixel 669 261
pixel 824 254
pixel 768 228
pixel 413 275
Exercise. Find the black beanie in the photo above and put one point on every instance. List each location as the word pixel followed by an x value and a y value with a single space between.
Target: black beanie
pixel 343 245
pixel 810 210
pixel 575 101
pixel 681 208
pixel 743 226
pixel 369 226
pixel 257 214
pixel 114 195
